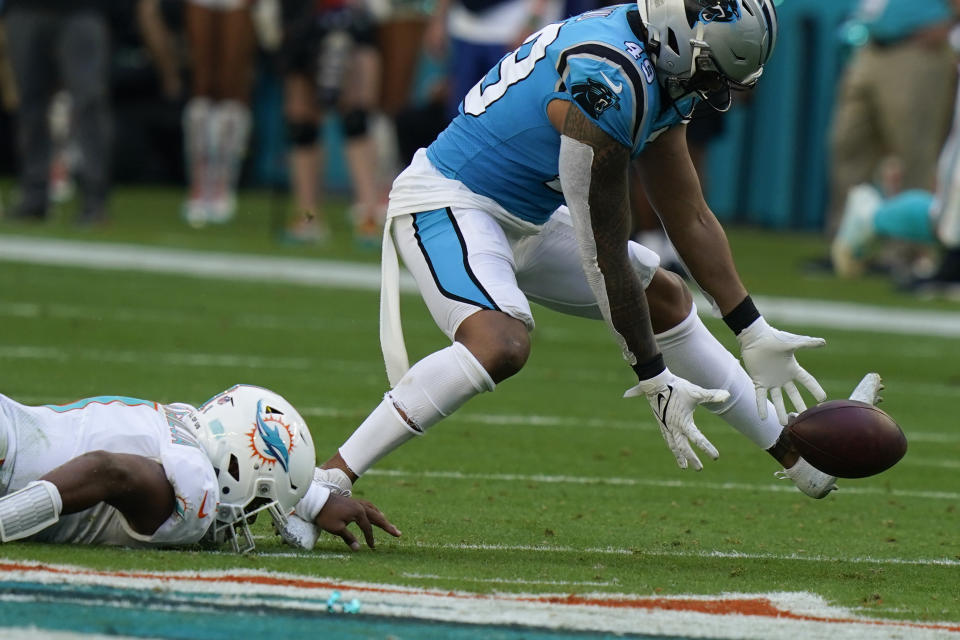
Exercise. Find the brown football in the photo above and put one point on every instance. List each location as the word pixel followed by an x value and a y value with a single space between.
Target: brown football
pixel 848 439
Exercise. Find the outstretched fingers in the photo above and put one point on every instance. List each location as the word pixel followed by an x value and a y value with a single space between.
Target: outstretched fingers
pixel 794 394
pixel 702 443
pixel 378 519
pixel 348 538
pixel 761 401
pixel 811 384
pixel 364 523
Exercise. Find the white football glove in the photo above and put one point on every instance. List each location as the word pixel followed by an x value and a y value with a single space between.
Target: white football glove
pixel 673 401
pixel 298 533
pixel 768 356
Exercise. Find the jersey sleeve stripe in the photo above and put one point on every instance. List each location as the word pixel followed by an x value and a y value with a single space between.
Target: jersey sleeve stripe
pixel 617 58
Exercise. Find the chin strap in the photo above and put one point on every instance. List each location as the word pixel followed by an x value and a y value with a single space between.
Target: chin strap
pixel 29 510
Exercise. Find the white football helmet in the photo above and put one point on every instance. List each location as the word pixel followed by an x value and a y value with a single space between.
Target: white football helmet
pixel 263 455
pixel 706 46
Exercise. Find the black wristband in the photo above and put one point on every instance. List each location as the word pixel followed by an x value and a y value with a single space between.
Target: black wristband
pixel 650 368
pixel 742 316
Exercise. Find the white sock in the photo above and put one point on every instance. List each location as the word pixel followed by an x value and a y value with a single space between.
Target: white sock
pixel 196 125
pixel 691 352
pixel 232 135
pixel 431 390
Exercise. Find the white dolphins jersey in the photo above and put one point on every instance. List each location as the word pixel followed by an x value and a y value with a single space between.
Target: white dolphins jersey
pixel 39 439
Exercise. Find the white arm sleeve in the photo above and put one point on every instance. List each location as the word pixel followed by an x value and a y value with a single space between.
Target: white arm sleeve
pixel 576 166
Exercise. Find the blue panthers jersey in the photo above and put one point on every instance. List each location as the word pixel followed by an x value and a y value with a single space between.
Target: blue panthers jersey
pixel 503 146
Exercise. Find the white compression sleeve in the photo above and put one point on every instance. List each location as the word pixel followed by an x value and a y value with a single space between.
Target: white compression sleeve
pixel 576 165
pixel 431 390
pixel 690 351
pixel 29 510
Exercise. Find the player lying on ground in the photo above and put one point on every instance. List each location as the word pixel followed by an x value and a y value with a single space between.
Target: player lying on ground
pixel 122 471
pixel 525 197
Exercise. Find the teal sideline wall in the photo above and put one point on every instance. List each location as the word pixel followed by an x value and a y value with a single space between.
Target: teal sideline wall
pixel 770 166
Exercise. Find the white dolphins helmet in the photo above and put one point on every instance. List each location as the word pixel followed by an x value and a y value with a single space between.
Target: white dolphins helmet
pixel 706 46
pixel 263 455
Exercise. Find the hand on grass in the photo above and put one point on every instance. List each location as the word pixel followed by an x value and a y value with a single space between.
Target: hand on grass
pixel 339 512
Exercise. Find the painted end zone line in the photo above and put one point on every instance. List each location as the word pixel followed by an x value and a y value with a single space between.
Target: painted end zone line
pixel 311 272
pixel 735 616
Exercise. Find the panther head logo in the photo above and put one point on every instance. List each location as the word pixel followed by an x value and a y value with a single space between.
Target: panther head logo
pixel 707 11
pixel 595 97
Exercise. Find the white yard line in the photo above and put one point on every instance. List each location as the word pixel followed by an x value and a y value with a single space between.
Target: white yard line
pixel 622 551
pixel 328 273
pixel 642 423
pixel 547 583
pixel 783 487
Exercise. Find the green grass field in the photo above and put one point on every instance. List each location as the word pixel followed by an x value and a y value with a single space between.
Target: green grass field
pixel 553 483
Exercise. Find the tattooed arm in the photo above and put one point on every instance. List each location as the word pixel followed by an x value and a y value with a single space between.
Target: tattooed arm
pixel 593 172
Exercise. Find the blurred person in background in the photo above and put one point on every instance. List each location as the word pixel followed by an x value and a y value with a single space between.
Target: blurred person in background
pixel 400 37
pixel 475 34
pixel 216 120
pixel 330 62
pixel 915 215
pixel 54 44
pixel 400 33
pixel 9 101
pixel 895 97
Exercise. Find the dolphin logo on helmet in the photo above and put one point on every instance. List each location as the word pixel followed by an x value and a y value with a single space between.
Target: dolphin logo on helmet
pixel 275 447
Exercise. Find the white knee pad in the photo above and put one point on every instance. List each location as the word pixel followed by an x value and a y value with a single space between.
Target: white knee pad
pixel 644 261
pixel 29 510
pixel 431 390
pixel 438 385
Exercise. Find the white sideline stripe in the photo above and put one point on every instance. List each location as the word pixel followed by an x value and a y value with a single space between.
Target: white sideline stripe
pixel 784 487
pixel 731 555
pixel 312 272
pixel 193 263
pixel 736 616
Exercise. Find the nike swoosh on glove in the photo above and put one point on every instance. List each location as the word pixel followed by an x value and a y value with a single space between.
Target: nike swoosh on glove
pixel 673 401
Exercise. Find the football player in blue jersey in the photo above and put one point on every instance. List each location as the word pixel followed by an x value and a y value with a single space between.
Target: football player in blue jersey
pixel 524 198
